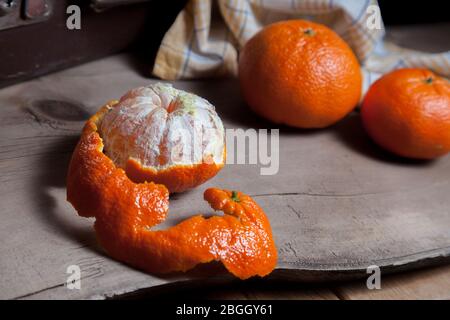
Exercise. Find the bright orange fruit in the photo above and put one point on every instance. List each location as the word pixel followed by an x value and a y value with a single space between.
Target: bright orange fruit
pixel 161 134
pixel 299 73
pixel 125 211
pixel 407 112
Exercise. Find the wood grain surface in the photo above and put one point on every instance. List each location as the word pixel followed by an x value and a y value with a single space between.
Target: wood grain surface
pixel 431 283
pixel 337 205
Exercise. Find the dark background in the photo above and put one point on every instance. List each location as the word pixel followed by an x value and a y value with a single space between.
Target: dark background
pixel 413 12
pixel 37 49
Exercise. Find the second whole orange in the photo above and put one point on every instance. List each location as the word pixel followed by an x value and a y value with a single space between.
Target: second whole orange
pixel 407 112
pixel 299 73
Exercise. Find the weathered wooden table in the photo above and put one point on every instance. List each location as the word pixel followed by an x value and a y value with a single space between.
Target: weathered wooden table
pixel 337 205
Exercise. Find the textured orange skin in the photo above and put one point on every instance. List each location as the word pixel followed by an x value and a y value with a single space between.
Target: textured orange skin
pixel 125 211
pixel 408 116
pixel 302 80
pixel 176 178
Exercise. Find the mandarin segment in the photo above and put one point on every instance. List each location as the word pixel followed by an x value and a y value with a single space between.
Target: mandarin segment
pixel 165 135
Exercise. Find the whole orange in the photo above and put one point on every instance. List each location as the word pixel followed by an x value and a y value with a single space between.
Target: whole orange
pixel 299 73
pixel 407 111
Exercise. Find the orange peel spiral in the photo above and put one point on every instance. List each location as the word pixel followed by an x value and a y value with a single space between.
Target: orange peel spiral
pixel 125 211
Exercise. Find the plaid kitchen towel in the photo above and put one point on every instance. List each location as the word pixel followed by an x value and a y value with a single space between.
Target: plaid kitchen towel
pixel 206 36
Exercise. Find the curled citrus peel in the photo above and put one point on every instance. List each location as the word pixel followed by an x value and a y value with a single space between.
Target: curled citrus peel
pixel 125 211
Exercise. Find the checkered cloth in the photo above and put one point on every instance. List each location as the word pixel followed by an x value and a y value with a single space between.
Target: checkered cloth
pixel 206 36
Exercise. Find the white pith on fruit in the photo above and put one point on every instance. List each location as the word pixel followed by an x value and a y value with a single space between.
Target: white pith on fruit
pixel 160 126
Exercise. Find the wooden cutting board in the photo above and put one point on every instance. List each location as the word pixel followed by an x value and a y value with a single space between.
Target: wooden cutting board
pixel 337 205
